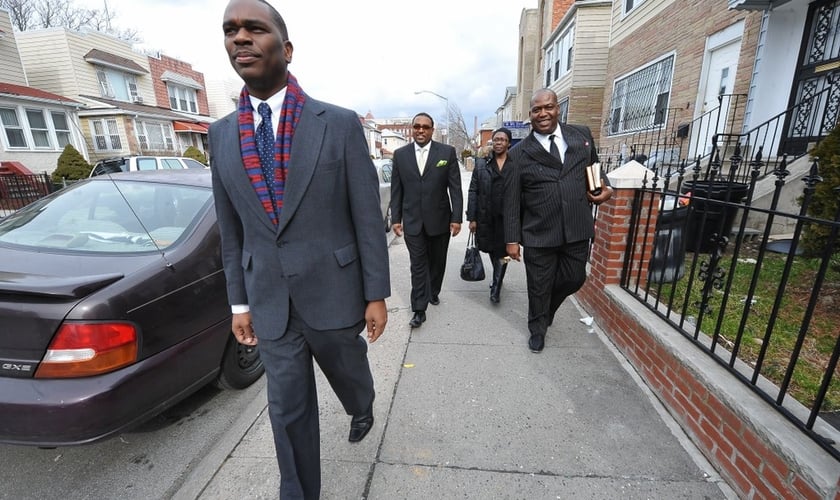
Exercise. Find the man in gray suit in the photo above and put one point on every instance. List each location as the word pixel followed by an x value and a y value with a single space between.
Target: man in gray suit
pixel 548 210
pixel 304 253
pixel 426 205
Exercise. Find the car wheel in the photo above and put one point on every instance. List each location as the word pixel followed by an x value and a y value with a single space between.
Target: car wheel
pixel 388 220
pixel 241 366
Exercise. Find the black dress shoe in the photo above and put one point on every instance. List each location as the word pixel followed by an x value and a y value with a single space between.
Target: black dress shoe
pixel 536 343
pixel 435 300
pixel 418 319
pixel 360 425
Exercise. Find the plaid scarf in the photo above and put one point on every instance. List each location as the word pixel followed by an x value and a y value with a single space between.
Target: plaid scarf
pixel 289 117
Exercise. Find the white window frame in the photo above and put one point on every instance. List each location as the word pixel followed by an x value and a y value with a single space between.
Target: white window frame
pixel 63 136
pixel 646 100
pixel 110 134
pixel 166 133
pixel 629 6
pixel 182 98
pixel 563 114
pixel 560 55
pixel 105 88
pixel 7 127
pixel 39 134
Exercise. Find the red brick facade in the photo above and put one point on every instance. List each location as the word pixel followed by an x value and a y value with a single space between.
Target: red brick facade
pixel 161 65
pixel 558 10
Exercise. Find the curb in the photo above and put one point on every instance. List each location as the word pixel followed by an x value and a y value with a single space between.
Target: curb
pixel 206 469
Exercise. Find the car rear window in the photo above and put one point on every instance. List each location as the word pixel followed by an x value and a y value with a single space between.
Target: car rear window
pixel 107 217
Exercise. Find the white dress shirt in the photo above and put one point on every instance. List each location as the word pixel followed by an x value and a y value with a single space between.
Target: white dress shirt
pixel 558 139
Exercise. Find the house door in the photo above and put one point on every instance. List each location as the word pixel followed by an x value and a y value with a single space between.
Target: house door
pixel 815 96
pixel 723 63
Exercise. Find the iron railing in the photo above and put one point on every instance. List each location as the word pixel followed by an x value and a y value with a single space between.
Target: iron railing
pixel 19 190
pixel 760 308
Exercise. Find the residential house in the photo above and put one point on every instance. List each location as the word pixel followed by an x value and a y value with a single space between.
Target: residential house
pixel 36 125
pixel 574 57
pixel 508 110
pixel 391 140
pixel 661 83
pixel 222 96
pixel 529 70
pixel 114 82
pixel 373 136
pixel 180 88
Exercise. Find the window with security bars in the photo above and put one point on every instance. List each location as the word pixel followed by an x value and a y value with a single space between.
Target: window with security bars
pixel 106 135
pixel 155 136
pixel 640 100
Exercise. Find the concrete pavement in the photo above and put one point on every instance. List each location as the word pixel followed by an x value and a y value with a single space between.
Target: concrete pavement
pixel 465 410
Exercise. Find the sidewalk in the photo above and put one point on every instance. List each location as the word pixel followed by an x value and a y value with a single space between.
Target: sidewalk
pixel 465 410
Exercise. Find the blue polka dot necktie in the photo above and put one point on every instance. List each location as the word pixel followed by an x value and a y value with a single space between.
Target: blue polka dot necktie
pixel 265 148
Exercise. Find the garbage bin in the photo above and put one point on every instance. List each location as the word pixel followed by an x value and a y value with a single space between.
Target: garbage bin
pixel 707 214
pixel 667 264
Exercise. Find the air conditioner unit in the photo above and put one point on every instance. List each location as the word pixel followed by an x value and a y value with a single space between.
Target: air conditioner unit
pixel 137 99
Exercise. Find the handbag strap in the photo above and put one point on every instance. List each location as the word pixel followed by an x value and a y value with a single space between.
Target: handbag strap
pixel 471 240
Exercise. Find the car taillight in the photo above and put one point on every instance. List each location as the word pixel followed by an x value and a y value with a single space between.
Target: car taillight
pixel 85 349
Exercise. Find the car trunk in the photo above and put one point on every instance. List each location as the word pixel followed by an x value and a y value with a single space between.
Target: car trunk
pixel 32 307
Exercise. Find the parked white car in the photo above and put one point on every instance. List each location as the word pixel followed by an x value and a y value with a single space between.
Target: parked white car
pixel 135 163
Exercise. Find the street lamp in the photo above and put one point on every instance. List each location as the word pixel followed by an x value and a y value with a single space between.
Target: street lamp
pixel 446 129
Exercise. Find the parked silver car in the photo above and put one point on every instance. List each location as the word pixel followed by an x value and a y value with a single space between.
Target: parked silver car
pixel 383 168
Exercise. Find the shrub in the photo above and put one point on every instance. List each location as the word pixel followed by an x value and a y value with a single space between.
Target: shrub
pixel 196 154
pixel 824 203
pixel 71 165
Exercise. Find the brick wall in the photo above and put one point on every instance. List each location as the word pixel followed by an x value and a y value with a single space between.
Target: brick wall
pixel 585 104
pixel 558 10
pixel 681 29
pixel 159 66
pixel 729 435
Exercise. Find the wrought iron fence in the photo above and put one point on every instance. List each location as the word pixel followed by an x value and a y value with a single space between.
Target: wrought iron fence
pixel 763 308
pixel 18 190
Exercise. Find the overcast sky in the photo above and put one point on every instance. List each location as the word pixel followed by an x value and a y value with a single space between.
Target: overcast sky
pixel 366 55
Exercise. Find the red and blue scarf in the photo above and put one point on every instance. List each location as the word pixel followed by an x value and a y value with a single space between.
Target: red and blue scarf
pixel 289 118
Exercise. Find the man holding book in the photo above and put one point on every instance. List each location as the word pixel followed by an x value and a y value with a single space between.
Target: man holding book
pixel 548 209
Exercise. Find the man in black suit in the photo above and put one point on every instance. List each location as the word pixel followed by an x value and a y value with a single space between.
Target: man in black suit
pixel 548 210
pixel 427 205
pixel 304 254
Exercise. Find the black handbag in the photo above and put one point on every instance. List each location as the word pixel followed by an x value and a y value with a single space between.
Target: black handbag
pixel 473 268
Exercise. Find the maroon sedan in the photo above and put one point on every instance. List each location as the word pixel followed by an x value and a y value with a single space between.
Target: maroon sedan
pixel 112 307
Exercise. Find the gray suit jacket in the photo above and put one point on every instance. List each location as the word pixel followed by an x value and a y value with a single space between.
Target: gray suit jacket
pixel 432 201
pixel 328 255
pixel 545 199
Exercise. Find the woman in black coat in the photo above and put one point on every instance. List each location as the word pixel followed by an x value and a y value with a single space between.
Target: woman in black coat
pixel 484 208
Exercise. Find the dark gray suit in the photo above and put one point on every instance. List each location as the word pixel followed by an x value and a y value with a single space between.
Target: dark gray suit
pixel 426 205
pixel 308 280
pixel 547 212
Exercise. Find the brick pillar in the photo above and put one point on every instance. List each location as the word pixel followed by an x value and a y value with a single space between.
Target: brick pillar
pixel 609 247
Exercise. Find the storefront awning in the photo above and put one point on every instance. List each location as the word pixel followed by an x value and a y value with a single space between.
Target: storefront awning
pixel 190 127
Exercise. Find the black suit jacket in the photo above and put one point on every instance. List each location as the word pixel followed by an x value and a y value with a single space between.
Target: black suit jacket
pixel 545 199
pixel 432 201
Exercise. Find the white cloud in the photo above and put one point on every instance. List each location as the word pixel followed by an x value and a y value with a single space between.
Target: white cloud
pixel 367 55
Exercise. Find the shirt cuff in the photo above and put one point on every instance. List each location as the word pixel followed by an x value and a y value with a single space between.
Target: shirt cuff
pixel 239 309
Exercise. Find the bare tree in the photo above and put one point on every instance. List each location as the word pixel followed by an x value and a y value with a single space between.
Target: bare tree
pixel 22 13
pixel 33 14
pixel 459 137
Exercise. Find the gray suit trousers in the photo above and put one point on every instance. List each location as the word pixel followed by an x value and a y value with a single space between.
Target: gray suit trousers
pixel 293 399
